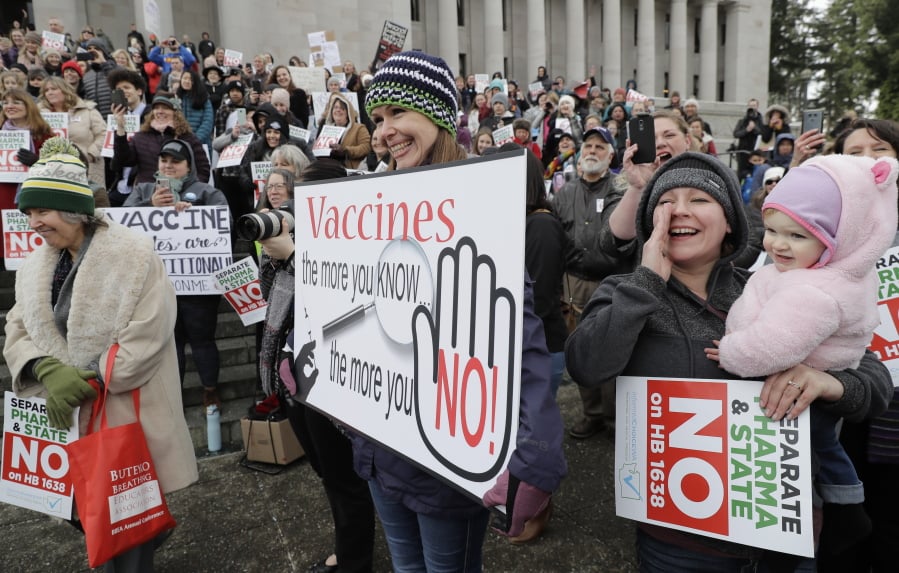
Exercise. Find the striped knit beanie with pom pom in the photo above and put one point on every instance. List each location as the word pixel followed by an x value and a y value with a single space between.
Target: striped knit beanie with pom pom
pixel 57 181
pixel 419 82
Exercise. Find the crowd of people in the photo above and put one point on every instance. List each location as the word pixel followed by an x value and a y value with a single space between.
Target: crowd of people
pixel 632 268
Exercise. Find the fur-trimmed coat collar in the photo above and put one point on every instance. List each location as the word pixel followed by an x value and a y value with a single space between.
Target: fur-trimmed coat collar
pixel 114 267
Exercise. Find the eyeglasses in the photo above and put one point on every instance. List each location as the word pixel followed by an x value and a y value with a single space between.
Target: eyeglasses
pixel 772 181
pixel 87 32
pixel 276 186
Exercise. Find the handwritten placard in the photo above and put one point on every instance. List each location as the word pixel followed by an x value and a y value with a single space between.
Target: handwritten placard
pixel 308 79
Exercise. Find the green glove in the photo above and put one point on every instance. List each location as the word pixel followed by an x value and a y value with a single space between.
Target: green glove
pixel 66 387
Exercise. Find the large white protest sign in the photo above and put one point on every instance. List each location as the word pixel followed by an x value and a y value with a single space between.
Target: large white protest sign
pixel 885 342
pixel 387 266
pixel 192 244
pixel 700 456
pixel 11 140
pixel 58 122
pixel 308 79
pixel 240 284
pixel 132 126
pixel 35 468
pixel 233 154
pixel 233 58
pixel 328 136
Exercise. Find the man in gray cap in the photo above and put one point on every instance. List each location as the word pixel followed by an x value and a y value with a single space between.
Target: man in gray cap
pixel 579 206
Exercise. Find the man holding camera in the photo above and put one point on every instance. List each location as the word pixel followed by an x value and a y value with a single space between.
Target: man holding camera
pixel 169 51
pixel 747 132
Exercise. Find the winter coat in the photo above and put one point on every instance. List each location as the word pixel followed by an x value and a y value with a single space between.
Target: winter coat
pixel 580 205
pixel 821 316
pixel 87 130
pixel 640 325
pixel 96 88
pixel 137 311
pixel 200 120
pixel 356 140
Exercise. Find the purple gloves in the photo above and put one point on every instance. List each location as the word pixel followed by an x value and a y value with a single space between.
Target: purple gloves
pixel 523 502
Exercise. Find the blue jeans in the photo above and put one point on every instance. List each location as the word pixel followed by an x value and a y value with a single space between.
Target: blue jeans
pixel 558 367
pixel 656 556
pixel 837 479
pixel 419 542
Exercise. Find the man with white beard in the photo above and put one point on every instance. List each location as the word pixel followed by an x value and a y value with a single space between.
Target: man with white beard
pixel 579 206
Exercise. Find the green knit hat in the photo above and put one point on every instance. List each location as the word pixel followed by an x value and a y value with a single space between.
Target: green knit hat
pixel 58 180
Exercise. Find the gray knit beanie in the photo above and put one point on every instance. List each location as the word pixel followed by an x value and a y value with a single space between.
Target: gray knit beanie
pixel 703 172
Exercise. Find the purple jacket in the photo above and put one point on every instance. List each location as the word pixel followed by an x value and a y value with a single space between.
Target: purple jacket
pixel 538 458
pixel 143 152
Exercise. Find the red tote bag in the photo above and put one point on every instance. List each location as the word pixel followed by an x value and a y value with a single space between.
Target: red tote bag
pixel 117 493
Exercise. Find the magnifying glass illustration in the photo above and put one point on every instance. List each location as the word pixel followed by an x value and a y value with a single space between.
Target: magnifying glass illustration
pixel 402 281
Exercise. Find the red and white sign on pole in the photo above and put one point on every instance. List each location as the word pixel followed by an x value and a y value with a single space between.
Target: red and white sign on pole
pixel 11 141
pixel 700 456
pixel 231 155
pixel 132 125
pixel 260 171
pixel 240 282
pixel 18 238
pixel 885 342
pixel 233 58
pixel 59 122
pixel 35 469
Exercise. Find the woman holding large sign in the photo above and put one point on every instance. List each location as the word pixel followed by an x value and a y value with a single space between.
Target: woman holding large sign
pixel 657 321
pixel 428 524
pixel 76 296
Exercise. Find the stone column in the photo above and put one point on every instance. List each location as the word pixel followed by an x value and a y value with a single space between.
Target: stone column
pixel 448 33
pixel 493 36
pixel 536 38
pixel 708 45
pixel 575 42
pixel 611 44
pixel 238 16
pixel 677 77
pixel 646 47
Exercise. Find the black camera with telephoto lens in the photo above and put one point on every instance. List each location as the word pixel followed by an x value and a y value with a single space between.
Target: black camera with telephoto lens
pixel 262 226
